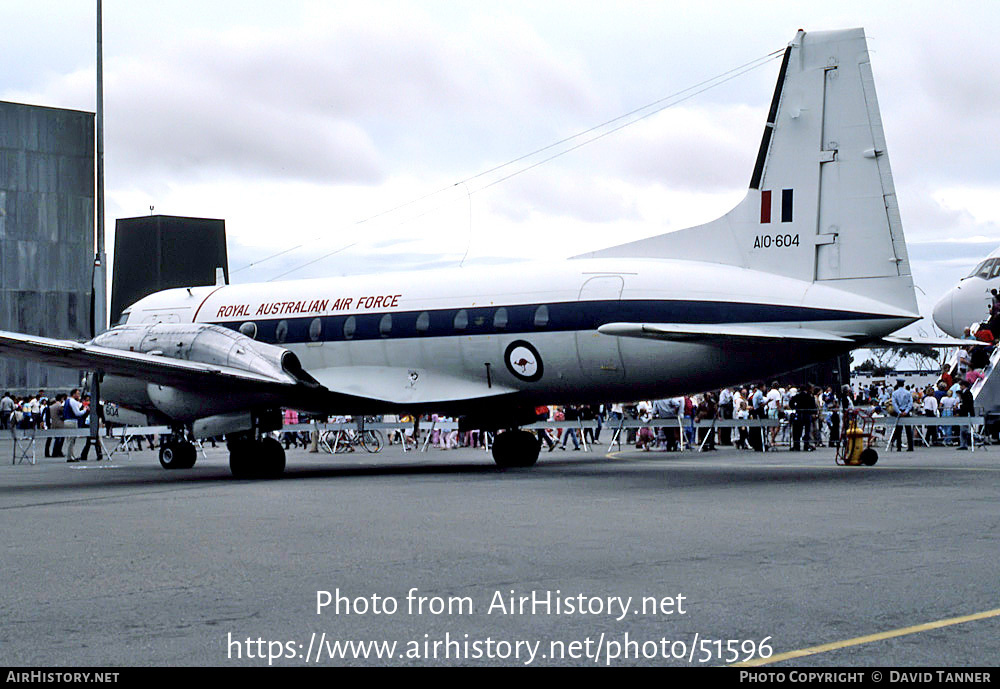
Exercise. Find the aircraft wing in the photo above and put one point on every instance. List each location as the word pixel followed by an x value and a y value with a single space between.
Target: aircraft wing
pixel 715 332
pixel 150 367
pixel 343 386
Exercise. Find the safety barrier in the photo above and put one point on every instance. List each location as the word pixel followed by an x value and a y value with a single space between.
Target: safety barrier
pixel 24 439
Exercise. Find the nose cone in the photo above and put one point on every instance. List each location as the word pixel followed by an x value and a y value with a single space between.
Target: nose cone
pixel 944 314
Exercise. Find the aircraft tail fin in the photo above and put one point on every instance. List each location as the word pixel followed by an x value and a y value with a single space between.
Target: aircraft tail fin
pixel 821 205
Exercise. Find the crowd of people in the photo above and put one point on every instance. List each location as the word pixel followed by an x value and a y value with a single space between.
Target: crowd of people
pixel 808 416
pixel 38 412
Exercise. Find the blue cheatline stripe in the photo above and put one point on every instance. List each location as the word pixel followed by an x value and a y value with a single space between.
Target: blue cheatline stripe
pixel 531 318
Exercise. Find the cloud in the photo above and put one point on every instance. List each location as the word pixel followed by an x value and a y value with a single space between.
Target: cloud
pixel 708 149
pixel 340 96
pixel 580 196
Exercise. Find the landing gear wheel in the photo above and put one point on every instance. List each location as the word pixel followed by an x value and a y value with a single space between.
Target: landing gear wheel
pixel 868 457
pixel 264 458
pixel 241 462
pixel 272 458
pixel 516 449
pixel 178 454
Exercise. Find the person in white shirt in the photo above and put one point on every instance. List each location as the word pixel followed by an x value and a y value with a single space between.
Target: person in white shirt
pixel 726 407
pixel 774 408
pixel 964 361
pixel 946 406
pixel 930 407
pixel 73 413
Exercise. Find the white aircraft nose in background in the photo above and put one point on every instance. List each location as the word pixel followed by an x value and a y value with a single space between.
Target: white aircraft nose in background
pixel 943 313
pixel 968 302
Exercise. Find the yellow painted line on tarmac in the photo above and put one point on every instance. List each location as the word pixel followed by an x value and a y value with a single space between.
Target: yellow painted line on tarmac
pixel 857 641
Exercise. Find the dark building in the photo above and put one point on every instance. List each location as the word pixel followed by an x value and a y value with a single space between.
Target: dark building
pixel 156 252
pixel 46 234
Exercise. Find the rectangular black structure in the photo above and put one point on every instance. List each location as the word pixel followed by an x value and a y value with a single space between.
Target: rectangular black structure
pixel 46 234
pixel 156 252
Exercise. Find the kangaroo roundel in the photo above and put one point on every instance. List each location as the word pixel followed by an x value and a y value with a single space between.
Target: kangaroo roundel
pixel 523 361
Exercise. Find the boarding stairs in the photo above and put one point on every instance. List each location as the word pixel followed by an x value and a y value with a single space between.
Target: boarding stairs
pixel 986 390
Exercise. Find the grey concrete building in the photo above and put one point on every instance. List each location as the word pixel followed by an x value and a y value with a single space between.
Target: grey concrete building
pixel 46 233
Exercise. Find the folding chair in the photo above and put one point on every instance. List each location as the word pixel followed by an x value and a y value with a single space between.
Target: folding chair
pixel 24 445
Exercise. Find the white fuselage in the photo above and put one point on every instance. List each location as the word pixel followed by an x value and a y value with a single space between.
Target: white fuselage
pixel 417 339
pixel 969 301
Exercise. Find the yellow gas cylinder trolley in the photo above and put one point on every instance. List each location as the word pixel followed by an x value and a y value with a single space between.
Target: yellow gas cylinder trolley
pixel 856 440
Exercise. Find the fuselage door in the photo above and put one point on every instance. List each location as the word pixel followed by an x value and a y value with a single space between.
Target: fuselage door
pixel 600 355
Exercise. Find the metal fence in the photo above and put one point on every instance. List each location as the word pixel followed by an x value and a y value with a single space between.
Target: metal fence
pixel 24 439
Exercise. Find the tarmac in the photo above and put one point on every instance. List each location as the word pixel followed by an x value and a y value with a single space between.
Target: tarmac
pixel 440 558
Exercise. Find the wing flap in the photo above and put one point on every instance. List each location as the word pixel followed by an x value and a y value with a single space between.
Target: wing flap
pixel 406 386
pixel 715 332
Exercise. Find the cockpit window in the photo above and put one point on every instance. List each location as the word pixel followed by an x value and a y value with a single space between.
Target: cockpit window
pixel 995 270
pixel 983 269
pixel 986 268
pixel 123 319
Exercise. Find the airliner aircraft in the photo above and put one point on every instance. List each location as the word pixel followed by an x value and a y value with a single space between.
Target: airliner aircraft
pixel 812 263
pixel 969 301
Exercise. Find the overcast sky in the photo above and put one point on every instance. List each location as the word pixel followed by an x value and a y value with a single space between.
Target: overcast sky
pixel 303 123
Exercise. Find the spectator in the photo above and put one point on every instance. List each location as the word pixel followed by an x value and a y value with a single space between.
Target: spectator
pixel 803 404
pixel 902 401
pixel 966 408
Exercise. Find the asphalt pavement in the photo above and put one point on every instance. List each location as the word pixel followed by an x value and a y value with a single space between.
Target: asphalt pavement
pixel 593 557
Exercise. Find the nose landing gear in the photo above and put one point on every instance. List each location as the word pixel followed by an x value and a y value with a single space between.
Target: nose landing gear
pixel 178 452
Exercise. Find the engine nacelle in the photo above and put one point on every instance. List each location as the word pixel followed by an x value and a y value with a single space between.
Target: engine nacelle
pixel 210 344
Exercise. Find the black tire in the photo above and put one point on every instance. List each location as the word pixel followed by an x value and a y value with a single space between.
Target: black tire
pixel 240 460
pixel 272 458
pixel 188 455
pixel 868 457
pixel 171 455
pixel 516 449
pixel 256 459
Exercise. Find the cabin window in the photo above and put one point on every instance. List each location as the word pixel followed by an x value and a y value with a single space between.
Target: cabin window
pixel 385 325
pixel 541 316
pixel 500 319
pixel 423 322
pixel 350 327
pixel 462 320
pixel 249 329
pixel 281 332
pixel 315 329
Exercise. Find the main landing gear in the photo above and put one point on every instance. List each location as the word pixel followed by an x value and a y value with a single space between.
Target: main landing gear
pixel 178 452
pixel 516 448
pixel 253 457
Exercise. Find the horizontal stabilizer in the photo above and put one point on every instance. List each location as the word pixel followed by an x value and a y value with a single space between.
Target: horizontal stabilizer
pixel 693 332
pixel 897 341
